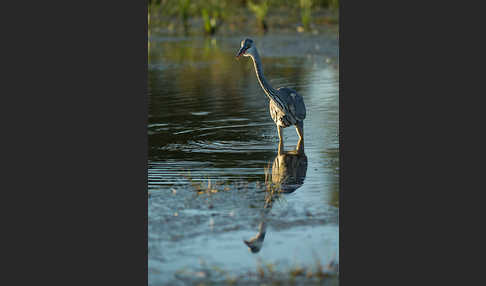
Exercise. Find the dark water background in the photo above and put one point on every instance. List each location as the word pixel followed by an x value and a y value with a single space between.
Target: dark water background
pixel 209 123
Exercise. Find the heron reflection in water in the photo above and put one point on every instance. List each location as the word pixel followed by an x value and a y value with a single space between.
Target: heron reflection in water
pixel 288 173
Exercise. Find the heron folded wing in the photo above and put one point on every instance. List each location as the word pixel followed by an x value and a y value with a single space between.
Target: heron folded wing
pixel 299 108
pixel 294 103
pixel 292 109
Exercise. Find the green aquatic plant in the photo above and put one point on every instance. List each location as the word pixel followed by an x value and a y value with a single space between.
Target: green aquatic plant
pixel 260 10
pixel 148 31
pixel 330 4
pixel 183 9
pixel 154 8
pixel 210 22
pixel 213 13
pixel 333 4
pixel 306 13
pixel 182 16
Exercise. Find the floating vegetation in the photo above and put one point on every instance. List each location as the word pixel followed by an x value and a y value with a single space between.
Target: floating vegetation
pixel 264 273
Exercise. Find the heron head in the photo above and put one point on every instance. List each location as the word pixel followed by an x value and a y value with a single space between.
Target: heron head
pixel 246 48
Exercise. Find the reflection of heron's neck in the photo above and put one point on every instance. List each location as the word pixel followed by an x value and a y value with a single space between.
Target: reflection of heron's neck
pixel 269 90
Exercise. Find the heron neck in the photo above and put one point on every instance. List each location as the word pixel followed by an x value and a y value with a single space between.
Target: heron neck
pixel 259 72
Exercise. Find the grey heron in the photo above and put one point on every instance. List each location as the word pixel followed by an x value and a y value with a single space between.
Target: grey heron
pixel 287 107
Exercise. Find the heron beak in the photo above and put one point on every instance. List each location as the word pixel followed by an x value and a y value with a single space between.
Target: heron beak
pixel 240 52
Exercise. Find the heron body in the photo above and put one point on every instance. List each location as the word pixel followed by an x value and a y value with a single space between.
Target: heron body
pixel 287 107
pixel 294 102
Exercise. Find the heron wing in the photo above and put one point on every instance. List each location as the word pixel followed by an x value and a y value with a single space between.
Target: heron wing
pixel 294 101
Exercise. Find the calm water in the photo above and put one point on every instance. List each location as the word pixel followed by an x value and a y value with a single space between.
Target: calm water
pixel 209 123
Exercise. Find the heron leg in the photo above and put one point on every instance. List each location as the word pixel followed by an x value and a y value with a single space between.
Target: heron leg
pixel 280 148
pixel 300 129
pixel 300 147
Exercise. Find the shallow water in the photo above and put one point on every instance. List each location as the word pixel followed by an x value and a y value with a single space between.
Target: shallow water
pixel 209 123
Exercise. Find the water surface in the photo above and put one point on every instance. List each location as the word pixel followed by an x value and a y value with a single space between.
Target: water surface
pixel 209 124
